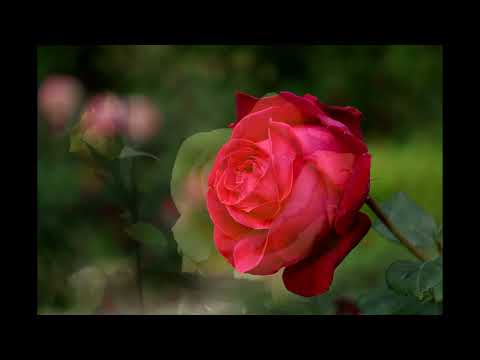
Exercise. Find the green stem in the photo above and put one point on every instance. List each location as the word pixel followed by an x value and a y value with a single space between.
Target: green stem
pixel 439 246
pixel 138 247
pixel 393 229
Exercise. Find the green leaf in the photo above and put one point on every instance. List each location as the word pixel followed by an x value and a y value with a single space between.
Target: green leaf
pixel 148 235
pixel 380 302
pixel 101 159
pixel 108 146
pixel 195 155
pixel 413 307
pixel 128 152
pixel 438 293
pixel 114 180
pixel 413 222
pixel 193 233
pixel 439 237
pixel 414 278
pixel 384 301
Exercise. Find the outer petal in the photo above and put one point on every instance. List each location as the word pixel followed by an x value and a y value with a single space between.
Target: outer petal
pixel 238 250
pixel 355 192
pixel 295 228
pixel 249 250
pixel 336 169
pixel 348 115
pixel 314 275
pixel 337 166
pixel 313 111
pixel 221 218
pixel 313 138
pixel 224 244
pixel 245 104
pixel 285 147
pixel 258 218
pixel 254 125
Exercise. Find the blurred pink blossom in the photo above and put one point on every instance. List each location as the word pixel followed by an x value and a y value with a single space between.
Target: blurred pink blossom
pixel 58 98
pixel 105 115
pixel 144 119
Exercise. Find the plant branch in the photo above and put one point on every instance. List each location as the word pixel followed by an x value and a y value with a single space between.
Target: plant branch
pixel 138 246
pixel 393 229
pixel 439 246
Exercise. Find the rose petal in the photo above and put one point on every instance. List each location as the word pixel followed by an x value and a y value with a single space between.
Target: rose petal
pixel 337 166
pixel 285 147
pixel 254 126
pixel 245 104
pixel 348 115
pixel 266 191
pixel 258 218
pixel 248 250
pixel 313 138
pixel 233 197
pixel 295 228
pixel 268 101
pixel 221 218
pixel 314 275
pixel 229 149
pixel 224 244
pixel 355 192
pixel 336 169
pixel 248 103
pixel 313 111
pixel 304 218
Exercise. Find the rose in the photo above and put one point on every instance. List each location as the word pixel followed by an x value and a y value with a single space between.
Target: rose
pixel 144 119
pixel 103 118
pixel 58 98
pixel 285 190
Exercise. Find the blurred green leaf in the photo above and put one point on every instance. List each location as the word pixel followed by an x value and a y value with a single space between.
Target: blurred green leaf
pixel 194 235
pixel 108 146
pixel 128 152
pixel 379 302
pixel 413 222
pixel 383 301
pixel 114 177
pixel 417 279
pixel 148 235
pixel 194 155
pixel 438 292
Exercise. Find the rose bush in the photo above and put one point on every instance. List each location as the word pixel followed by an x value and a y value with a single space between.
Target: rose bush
pixel 286 189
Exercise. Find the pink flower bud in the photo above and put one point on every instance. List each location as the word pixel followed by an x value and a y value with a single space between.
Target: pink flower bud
pixel 144 119
pixel 104 115
pixel 58 99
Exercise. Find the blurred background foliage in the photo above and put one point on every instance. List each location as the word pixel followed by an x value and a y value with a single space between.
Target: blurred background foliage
pixel 398 89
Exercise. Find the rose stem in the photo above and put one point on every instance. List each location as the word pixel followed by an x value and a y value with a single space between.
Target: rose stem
pixel 393 229
pixel 138 249
pixel 439 246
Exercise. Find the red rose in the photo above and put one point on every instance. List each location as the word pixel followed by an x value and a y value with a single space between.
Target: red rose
pixel 286 189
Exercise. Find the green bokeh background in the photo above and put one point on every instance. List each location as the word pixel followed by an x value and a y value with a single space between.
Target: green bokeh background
pixel 398 89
